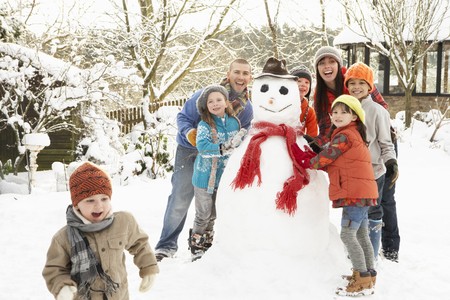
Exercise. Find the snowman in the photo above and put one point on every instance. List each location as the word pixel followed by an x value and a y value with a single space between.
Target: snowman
pixel 265 197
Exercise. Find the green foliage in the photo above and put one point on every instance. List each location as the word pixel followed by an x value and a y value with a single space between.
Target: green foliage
pixel 6 168
pixel 154 146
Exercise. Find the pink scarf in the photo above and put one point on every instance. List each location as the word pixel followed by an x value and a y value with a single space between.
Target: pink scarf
pixel 250 165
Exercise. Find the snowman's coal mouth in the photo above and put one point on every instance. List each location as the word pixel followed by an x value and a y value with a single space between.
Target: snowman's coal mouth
pixel 275 111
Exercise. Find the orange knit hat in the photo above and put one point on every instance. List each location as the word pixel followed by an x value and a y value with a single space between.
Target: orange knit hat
pixel 88 180
pixel 362 71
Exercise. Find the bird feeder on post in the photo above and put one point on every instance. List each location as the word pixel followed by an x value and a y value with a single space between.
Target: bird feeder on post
pixel 34 142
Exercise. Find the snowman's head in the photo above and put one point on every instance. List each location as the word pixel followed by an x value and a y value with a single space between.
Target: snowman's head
pixel 275 95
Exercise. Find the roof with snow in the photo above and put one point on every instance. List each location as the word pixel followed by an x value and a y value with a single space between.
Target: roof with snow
pixel 353 35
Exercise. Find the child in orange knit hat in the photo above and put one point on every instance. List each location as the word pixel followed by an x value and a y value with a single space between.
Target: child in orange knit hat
pixel 359 82
pixel 85 259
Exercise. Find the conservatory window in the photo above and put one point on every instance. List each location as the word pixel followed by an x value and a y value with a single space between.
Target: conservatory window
pixel 445 70
pixel 376 63
pixel 427 73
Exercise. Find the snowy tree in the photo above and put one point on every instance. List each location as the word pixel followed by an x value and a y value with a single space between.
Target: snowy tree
pixel 154 43
pixel 38 93
pixel 11 28
pixel 403 31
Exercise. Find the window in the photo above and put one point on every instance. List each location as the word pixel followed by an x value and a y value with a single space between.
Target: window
pixel 445 70
pixel 427 73
pixel 359 53
pixel 377 65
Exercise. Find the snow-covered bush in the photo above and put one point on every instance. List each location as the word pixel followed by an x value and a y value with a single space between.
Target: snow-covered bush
pixel 100 141
pixel 150 152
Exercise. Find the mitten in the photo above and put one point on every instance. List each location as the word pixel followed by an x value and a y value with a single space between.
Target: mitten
pixel 237 139
pixel 147 283
pixel 302 157
pixel 192 136
pixel 312 143
pixel 392 171
pixel 67 293
pixel 226 148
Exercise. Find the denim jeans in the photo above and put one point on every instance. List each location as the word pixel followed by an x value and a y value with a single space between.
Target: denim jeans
pixel 390 237
pixel 375 219
pixel 376 212
pixel 179 200
pixel 205 210
pixel 354 216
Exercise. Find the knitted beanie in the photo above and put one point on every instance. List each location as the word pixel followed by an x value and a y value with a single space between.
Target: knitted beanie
pixel 362 71
pixel 203 98
pixel 353 103
pixel 303 72
pixel 88 180
pixel 328 51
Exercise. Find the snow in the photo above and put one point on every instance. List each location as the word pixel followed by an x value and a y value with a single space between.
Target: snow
pixel 56 67
pixel 28 222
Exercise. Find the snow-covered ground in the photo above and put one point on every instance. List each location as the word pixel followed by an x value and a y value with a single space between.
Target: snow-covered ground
pixel 27 223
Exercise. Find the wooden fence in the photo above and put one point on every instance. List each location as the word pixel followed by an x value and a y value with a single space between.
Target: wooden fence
pixel 129 117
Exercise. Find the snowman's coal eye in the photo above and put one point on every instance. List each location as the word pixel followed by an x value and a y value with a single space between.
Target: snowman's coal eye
pixel 264 88
pixel 284 90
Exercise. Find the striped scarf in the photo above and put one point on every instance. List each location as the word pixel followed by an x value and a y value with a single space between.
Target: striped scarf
pixel 214 161
pixel 85 266
pixel 238 101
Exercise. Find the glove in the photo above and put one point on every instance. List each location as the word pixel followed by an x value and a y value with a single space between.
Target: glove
pixel 192 136
pixel 67 293
pixel 302 157
pixel 392 171
pixel 147 283
pixel 226 148
pixel 312 143
pixel 237 139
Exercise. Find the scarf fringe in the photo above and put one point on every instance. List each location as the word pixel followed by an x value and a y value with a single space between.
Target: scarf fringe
pixel 250 164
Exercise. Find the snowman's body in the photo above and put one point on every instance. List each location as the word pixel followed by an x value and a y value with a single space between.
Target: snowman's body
pixel 275 100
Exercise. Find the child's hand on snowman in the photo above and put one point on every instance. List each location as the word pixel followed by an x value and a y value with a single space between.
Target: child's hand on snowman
pixel 228 147
pixel 237 139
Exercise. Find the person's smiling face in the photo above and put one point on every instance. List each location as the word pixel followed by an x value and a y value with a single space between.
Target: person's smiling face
pixel 328 69
pixel 216 103
pixel 239 76
pixel 341 115
pixel 95 208
pixel 358 88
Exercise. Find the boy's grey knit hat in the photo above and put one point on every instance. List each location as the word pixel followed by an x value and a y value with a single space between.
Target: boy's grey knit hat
pixel 302 72
pixel 203 98
pixel 327 51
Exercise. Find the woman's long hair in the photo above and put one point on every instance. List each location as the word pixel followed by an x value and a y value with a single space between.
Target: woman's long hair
pixel 321 101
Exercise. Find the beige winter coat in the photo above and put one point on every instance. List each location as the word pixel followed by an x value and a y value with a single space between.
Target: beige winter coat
pixel 108 246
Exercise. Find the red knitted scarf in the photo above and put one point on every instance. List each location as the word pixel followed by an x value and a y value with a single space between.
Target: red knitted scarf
pixel 286 199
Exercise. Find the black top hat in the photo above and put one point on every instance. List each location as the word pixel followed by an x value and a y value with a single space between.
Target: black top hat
pixel 276 68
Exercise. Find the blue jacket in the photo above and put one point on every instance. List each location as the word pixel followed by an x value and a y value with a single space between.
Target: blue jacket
pixel 188 118
pixel 207 149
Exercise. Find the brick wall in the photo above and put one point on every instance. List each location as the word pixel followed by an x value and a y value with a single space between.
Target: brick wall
pixel 419 103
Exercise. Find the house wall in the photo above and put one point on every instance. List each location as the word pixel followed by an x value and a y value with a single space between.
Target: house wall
pixel 419 103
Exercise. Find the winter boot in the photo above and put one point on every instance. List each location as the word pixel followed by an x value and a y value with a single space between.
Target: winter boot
pixel 373 275
pixel 375 227
pixel 360 284
pixel 209 236
pixel 391 255
pixel 196 245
